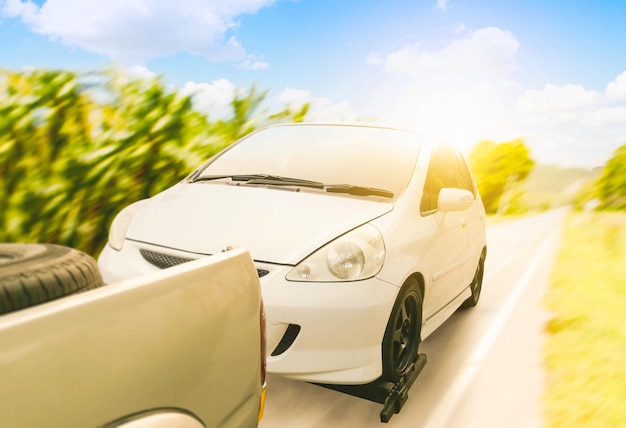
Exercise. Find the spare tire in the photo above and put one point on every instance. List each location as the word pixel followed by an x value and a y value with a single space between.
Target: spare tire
pixel 31 274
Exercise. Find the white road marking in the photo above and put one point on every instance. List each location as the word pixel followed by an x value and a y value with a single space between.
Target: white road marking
pixel 457 389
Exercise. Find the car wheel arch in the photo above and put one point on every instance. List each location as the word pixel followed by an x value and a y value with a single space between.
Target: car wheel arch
pixel 158 418
pixel 417 277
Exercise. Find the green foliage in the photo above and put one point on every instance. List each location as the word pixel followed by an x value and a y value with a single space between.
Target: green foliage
pixel 611 186
pixel 584 348
pixel 75 149
pixel 587 196
pixel 498 170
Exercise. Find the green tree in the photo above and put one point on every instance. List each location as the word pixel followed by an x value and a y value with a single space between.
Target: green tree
pixel 611 185
pixel 498 170
pixel 245 115
pixel 248 115
pixel 141 147
pixel 75 149
pixel 44 121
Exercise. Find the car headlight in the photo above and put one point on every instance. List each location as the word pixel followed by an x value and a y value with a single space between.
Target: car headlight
pixel 117 232
pixel 359 254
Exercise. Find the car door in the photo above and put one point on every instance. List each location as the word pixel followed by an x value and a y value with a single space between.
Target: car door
pixel 447 255
pixel 474 217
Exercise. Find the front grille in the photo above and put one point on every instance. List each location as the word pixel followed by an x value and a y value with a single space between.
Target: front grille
pixel 164 261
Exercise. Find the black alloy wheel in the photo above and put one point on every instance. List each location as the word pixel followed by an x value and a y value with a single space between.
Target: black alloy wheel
pixel 476 285
pixel 402 336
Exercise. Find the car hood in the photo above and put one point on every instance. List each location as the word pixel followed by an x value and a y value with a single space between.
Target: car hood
pixel 275 225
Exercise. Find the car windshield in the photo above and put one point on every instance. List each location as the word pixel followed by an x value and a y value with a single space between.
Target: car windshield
pixel 359 161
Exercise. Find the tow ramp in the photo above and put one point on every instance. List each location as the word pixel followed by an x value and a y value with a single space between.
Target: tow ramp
pixel 391 395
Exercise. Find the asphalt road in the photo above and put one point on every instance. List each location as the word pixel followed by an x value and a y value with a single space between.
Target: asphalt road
pixel 484 364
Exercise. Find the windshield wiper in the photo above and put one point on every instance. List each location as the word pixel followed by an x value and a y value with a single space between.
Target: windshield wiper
pixel 233 177
pixel 263 179
pixel 276 180
pixel 352 189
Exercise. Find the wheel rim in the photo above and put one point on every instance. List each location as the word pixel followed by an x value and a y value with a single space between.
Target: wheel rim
pixel 405 334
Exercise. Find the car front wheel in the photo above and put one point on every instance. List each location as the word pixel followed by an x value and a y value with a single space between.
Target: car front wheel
pixel 402 335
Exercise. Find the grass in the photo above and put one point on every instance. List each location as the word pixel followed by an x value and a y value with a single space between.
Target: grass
pixel 586 346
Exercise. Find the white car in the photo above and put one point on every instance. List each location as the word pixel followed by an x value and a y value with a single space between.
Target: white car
pixel 365 240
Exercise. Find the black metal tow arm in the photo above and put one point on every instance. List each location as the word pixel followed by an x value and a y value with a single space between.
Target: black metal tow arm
pixel 391 395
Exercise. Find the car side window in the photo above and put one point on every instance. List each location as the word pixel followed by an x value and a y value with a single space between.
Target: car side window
pixel 464 176
pixel 440 174
pixel 447 169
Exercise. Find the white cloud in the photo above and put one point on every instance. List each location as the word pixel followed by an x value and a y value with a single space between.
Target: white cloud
pixel 558 99
pixel 459 29
pixel 212 99
pixel 134 31
pixel 14 8
pixel 141 72
pixel 570 125
pixel 616 90
pixel 252 62
pixel 487 50
pixel 604 117
pixel 375 59
pixel 467 91
pixel 322 109
pixel 441 5
pixel 296 98
pixel 460 93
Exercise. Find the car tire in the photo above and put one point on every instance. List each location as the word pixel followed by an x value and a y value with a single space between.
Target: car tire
pixel 476 285
pixel 31 274
pixel 403 333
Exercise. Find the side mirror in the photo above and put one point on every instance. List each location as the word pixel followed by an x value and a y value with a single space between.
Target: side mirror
pixel 454 200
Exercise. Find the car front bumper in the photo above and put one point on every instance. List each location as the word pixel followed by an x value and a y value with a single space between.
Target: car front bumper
pixel 316 332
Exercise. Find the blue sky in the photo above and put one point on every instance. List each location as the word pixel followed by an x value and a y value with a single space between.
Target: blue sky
pixel 553 73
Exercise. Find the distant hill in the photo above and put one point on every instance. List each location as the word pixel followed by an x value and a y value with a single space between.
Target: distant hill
pixel 551 186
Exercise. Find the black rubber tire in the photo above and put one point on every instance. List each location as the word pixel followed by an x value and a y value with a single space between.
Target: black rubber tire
pixel 402 335
pixel 31 274
pixel 476 285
